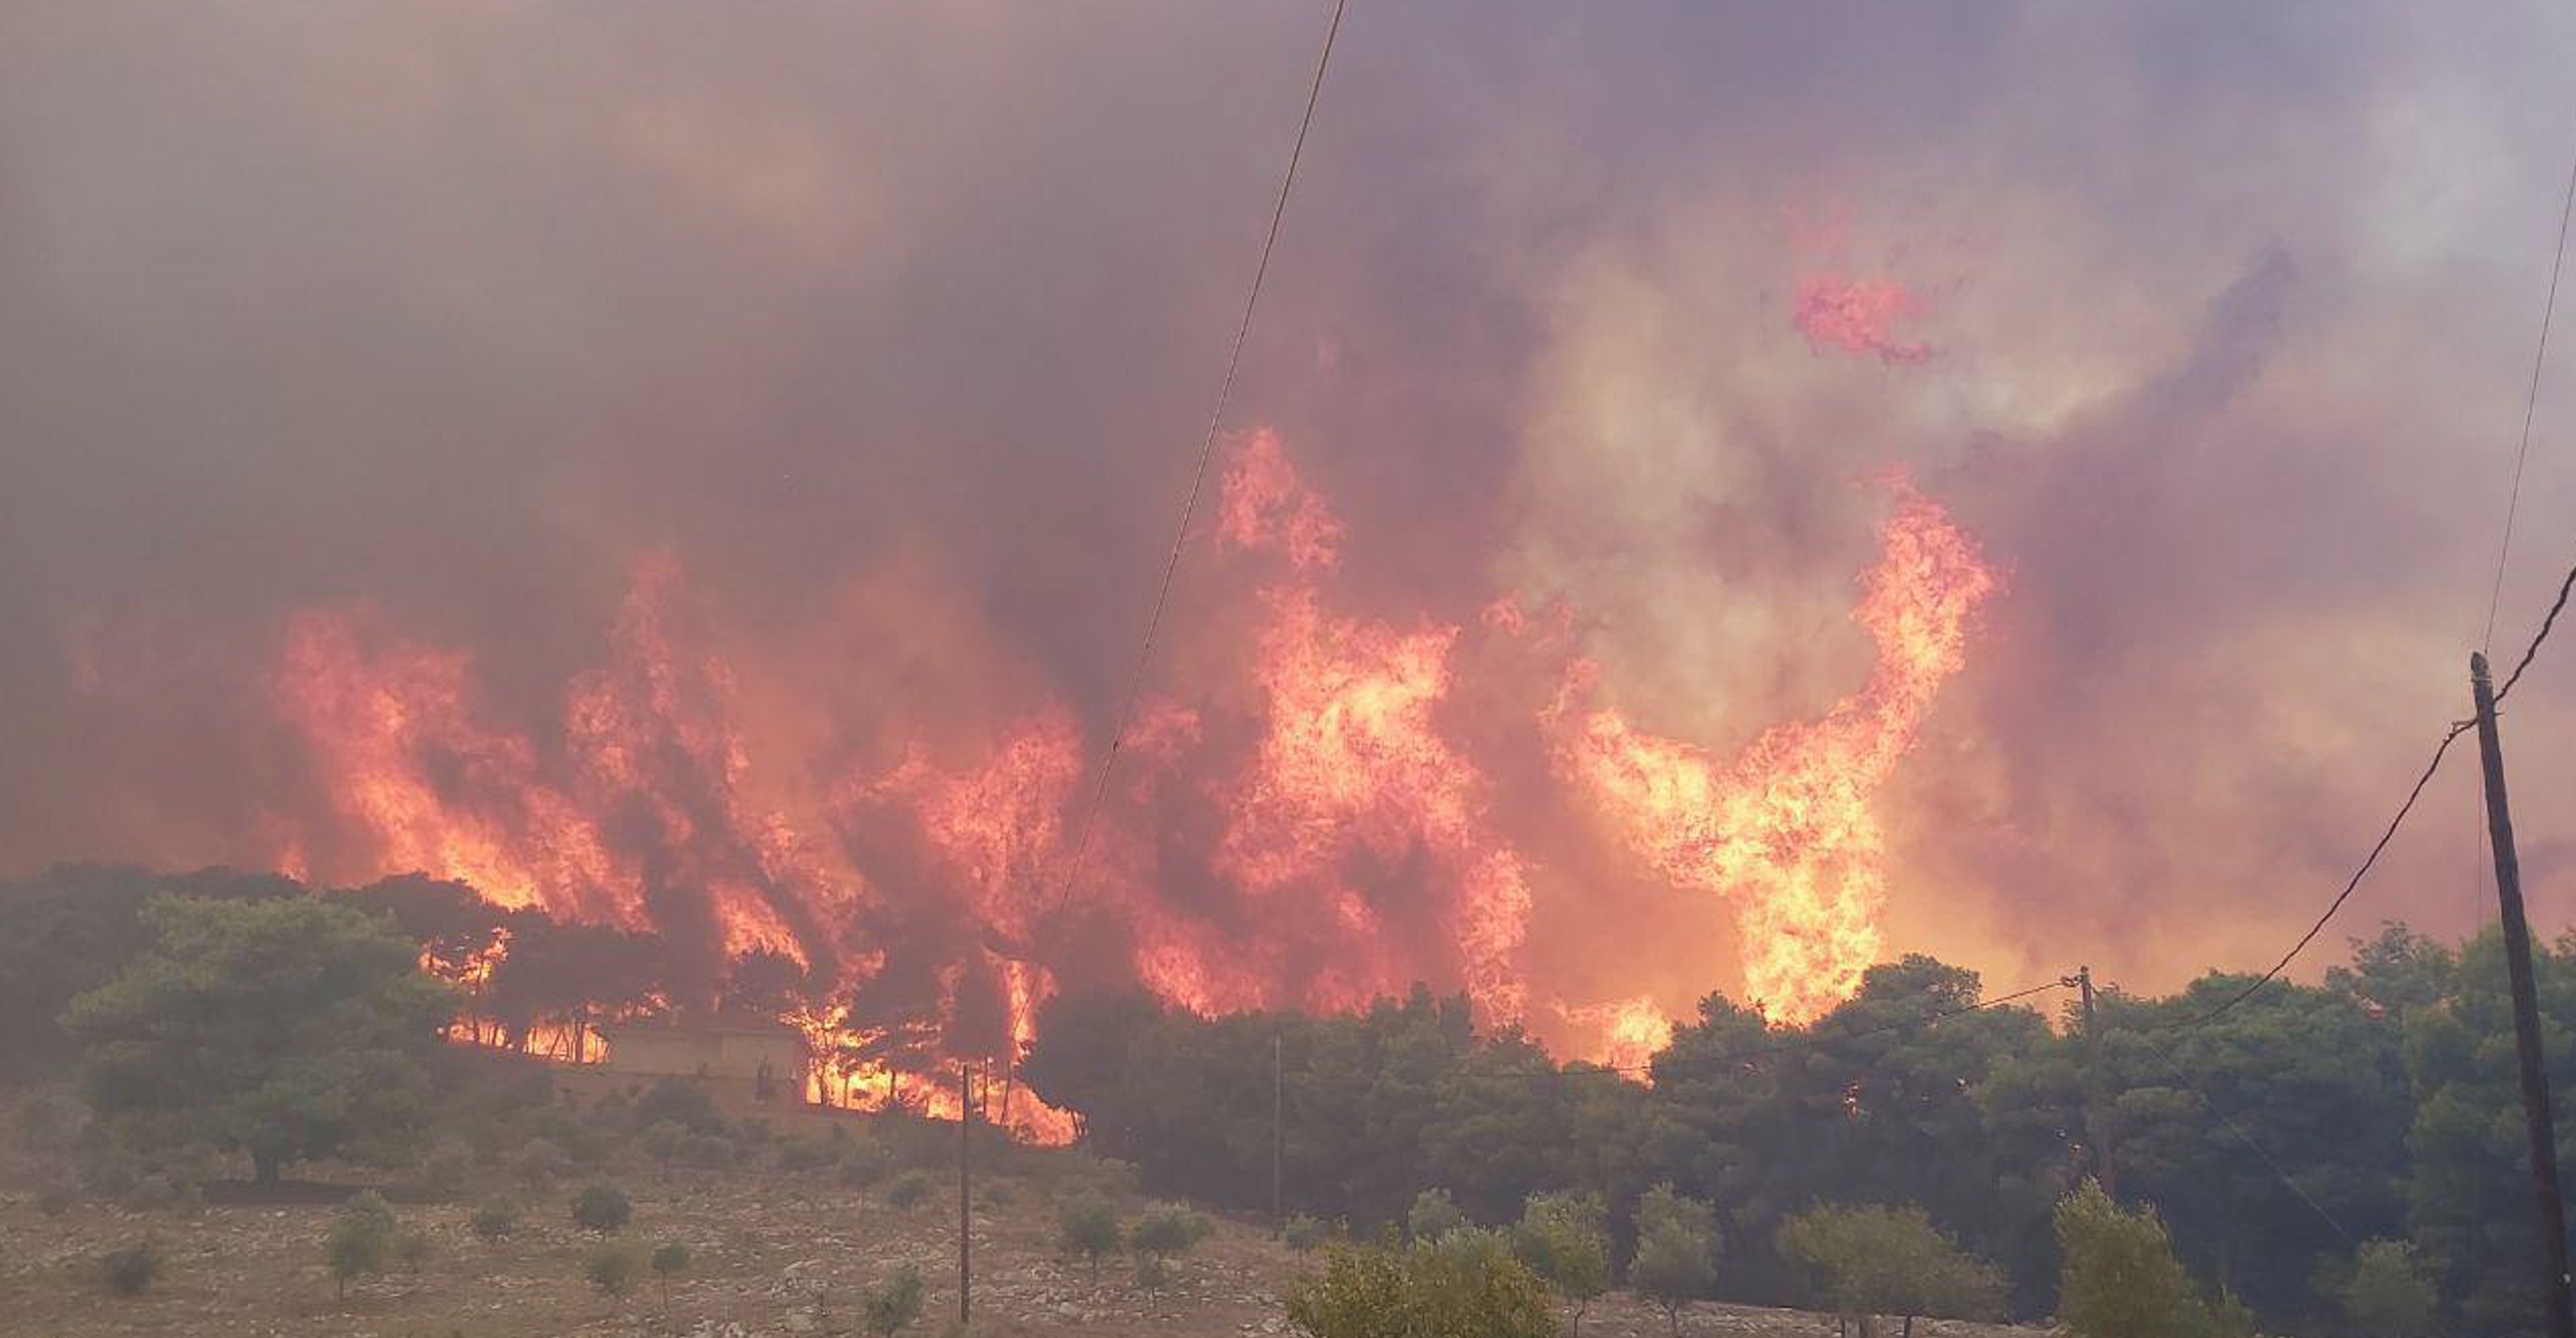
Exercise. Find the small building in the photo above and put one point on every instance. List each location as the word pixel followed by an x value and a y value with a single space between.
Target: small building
pixel 744 1061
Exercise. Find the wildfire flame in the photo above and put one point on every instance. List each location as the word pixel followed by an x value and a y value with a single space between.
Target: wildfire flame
pixel 1858 316
pixel 1786 829
pixel 1632 1030
pixel 1300 831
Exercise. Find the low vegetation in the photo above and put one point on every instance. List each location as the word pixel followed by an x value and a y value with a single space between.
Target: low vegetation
pixel 1937 1193
pixel 894 1304
pixel 611 1267
pixel 1870 1261
pixel 911 1190
pixel 2121 1279
pixel 1421 1291
pixel 602 1208
pixel 361 1240
pixel 1087 1228
pixel 496 1218
pixel 1564 1238
pixel 130 1270
pixel 1677 1244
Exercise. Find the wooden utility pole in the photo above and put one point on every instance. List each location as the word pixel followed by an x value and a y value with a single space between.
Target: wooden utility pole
pixel 965 1224
pixel 1278 1138
pixel 2537 1117
pixel 2097 1119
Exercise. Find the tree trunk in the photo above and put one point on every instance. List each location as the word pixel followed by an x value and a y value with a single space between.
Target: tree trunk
pixel 263 1168
pixel 1908 1330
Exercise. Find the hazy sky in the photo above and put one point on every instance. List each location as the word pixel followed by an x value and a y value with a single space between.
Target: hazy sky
pixel 909 317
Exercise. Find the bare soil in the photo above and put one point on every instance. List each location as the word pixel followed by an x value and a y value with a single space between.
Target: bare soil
pixel 773 1253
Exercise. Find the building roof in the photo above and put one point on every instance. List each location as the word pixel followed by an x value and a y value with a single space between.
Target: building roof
pixel 703 1024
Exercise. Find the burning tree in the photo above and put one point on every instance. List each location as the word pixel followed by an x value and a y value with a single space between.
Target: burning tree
pixel 288 1028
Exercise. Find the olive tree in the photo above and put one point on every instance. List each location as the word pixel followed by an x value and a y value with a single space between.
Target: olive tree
pixel 1564 1238
pixel 1677 1244
pixel 1870 1261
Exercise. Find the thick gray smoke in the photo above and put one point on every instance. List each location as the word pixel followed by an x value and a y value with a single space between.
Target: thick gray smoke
pixel 894 326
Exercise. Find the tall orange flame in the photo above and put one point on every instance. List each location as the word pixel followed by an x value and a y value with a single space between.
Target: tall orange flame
pixel 1786 829
pixel 1304 831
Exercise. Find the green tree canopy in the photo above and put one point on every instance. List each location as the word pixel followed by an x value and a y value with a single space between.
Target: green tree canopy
pixel 71 929
pixel 1677 1244
pixel 287 1027
pixel 2469 1194
pixel 360 1241
pixel 1087 1225
pixel 2383 1291
pixel 1421 1291
pixel 1564 1237
pixel 1874 1260
pixel 2120 1279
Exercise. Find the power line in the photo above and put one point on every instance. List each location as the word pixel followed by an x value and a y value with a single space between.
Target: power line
pixel 2548 621
pixel 2242 1136
pixel 2350 884
pixel 2530 406
pixel 1198 475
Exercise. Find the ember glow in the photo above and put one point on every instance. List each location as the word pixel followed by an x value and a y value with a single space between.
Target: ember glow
pixel 1296 827
pixel 1859 317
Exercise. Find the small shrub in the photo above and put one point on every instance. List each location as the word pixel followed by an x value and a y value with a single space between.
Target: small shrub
pixel 610 1268
pixel 108 1172
pixel 43 1122
pixel 911 1189
pixel 54 1199
pixel 665 1141
pixel 497 1218
pixel 670 1260
pixel 1166 1230
pixel 127 1272
pixel 999 1194
pixel 1305 1234
pixel 891 1306
pixel 1378 1291
pixel 1434 1214
pixel 412 1249
pixel 360 1240
pixel 865 1162
pixel 805 1154
pixel 153 1193
pixel 2385 1291
pixel 541 1162
pixel 1083 1172
pixel 710 1151
pixel 679 1102
pixel 602 1208
pixel 446 1168
pixel 1153 1274
pixel 1087 1225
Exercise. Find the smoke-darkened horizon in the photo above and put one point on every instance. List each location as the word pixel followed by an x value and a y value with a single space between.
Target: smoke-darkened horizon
pixel 1716 495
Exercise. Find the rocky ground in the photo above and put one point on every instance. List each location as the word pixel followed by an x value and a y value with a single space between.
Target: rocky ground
pixel 774 1253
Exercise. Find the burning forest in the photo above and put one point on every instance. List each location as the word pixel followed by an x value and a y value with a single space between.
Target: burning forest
pixel 1747 648
pixel 1295 820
